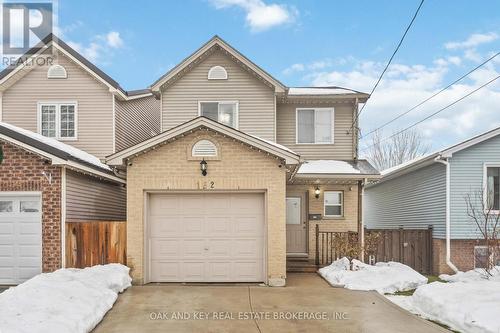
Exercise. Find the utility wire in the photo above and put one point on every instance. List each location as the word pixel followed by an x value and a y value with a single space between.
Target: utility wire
pixel 435 113
pixel 432 96
pixel 388 63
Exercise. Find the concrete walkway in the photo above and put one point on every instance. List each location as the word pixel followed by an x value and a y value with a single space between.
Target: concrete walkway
pixel 159 308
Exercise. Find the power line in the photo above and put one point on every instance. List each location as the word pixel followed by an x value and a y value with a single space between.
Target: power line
pixel 435 113
pixel 432 96
pixel 389 62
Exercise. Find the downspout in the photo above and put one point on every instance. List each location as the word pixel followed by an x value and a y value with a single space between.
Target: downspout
pixel 445 161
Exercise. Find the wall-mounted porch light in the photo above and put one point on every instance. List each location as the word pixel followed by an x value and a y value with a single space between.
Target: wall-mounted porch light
pixel 317 192
pixel 203 167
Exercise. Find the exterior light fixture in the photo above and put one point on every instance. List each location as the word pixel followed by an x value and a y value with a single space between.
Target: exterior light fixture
pixel 203 167
pixel 317 192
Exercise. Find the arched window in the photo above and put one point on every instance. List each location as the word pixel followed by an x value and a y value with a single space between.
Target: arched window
pixel 57 72
pixel 217 73
pixel 204 148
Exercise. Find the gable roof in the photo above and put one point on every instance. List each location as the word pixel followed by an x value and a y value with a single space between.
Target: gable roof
pixel 430 158
pixel 215 42
pixel 68 51
pixel 58 152
pixel 272 148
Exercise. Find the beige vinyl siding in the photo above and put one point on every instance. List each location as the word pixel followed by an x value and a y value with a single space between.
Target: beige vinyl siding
pixel 94 110
pixel 341 149
pixel 256 100
pixel 136 121
pixel 92 199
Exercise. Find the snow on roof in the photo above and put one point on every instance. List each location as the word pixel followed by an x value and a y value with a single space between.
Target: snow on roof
pixel 74 152
pixel 320 91
pixel 405 164
pixel 328 166
pixel 274 144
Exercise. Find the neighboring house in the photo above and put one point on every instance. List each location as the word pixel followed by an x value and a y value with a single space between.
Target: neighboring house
pixel 242 172
pixel 414 195
pixel 42 183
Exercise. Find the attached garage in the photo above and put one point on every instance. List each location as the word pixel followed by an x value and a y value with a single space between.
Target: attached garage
pixel 206 237
pixel 20 236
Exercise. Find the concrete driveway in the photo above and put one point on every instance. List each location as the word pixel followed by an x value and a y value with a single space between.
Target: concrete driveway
pixel 307 304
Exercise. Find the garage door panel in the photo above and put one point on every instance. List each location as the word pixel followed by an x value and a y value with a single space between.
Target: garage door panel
pixel 6 228
pixel 160 202
pixel 6 250
pixel 7 262
pixel 165 271
pixel 193 248
pixel 220 237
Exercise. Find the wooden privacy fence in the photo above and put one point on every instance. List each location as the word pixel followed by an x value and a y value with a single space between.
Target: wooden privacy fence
pixel 95 242
pixel 412 247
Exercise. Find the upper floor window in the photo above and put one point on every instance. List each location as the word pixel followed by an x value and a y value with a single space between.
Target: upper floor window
pixel 223 112
pixel 315 125
pixel 217 73
pixel 334 203
pixel 493 188
pixel 56 72
pixel 57 120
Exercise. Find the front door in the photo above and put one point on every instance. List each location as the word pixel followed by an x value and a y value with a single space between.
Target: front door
pixel 295 226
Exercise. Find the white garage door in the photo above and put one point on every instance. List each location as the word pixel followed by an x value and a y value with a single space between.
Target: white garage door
pixel 213 237
pixel 20 237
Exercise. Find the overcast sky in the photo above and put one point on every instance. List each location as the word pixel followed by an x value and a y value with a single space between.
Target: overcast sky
pixel 302 43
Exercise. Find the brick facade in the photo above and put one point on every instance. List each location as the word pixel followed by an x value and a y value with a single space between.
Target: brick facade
pixel 22 170
pixel 240 168
pixel 462 255
pixel 349 220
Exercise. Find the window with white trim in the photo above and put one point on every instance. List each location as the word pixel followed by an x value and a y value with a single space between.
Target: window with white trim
pixel 224 112
pixel 493 188
pixel 334 203
pixel 315 125
pixel 58 120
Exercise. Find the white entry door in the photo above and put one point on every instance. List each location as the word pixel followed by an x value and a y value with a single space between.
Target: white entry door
pixel 20 237
pixel 209 237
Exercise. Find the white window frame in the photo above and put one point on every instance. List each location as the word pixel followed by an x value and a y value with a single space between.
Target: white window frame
pixel 332 141
pixel 487 165
pixel 341 205
pixel 58 118
pixel 236 116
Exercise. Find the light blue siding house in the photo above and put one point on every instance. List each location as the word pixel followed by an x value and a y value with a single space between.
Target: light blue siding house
pixel 431 191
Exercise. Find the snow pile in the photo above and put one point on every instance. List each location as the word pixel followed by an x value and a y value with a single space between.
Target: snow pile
pixel 328 166
pixel 477 274
pixel 383 277
pixel 75 152
pixel 67 300
pixel 464 306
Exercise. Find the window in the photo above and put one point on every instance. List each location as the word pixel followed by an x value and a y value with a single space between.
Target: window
pixel 315 125
pixel 217 73
pixel 58 120
pixel 224 112
pixel 28 206
pixel 6 206
pixel 493 188
pixel 333 203
pixel 204 148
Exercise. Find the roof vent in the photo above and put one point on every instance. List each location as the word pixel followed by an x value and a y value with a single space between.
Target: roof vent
pixel 217 73
pixel 57 72
pixel 204 148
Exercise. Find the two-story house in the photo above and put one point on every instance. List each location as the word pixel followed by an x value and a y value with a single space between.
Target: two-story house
pixel 227 170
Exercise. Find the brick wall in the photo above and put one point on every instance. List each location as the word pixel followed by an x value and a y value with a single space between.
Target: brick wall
pixel 22 171
pixel 462 255
pixel 349 220
pixel 168 167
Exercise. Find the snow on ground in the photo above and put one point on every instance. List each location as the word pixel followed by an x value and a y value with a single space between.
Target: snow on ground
pixel 477 274
pixel 384 277
pixel 67 300
pixel 469 303
pixel 327 166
